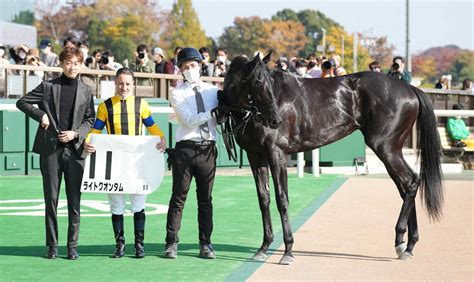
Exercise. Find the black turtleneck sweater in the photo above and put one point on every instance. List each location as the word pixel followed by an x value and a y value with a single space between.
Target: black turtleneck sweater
pixel 66 102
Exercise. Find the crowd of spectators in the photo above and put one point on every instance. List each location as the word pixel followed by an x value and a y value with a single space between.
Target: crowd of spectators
pixel 154 60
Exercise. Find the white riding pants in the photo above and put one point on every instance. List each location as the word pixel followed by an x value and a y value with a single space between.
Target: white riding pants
pixel 117 203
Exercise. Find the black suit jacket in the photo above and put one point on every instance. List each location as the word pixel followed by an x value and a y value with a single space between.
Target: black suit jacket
pixel 46 96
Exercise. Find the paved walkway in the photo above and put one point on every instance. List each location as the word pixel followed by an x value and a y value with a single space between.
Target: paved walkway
pixel 351 237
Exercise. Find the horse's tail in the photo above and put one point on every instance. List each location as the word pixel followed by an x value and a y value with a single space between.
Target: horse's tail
pixel 429 148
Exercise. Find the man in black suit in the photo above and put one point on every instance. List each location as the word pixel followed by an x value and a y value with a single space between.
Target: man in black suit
pixel 66 113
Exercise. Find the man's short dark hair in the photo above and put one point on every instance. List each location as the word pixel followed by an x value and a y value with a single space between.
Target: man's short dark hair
pixel 204 50
pixel 142 47
pixel 125 71
pixel 221 49
pixel 70 40
pixel 398 58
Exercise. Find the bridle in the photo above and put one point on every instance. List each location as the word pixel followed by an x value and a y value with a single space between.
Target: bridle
pixel 247 111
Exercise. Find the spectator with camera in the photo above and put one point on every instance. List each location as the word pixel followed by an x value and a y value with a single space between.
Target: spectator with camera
pixel 207 68
pixel 162 64
pixel 143 64
pixel 327 68
pixel 221 64
pixel 107 62
pixel 398 71
pixel 32 59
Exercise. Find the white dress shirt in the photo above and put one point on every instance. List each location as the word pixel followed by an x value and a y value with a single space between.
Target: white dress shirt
pixel 183 101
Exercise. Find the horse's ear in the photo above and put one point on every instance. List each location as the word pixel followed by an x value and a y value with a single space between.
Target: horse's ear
pixel 266 59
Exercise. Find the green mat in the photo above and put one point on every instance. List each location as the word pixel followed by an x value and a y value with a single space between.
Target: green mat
pixel 237 233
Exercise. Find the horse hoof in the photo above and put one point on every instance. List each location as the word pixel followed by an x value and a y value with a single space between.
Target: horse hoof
pixel 260 256
pixel 401 248
pixel 287 260
pixel 405 256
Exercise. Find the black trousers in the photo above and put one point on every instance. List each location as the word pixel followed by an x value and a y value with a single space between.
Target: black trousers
pixel 63 161
pixel 190 160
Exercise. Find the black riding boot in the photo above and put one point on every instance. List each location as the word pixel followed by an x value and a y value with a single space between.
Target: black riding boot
pixel 117 223
pixel 139 224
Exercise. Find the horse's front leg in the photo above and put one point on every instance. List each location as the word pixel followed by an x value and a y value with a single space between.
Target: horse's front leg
pixel 260 173
pixel 278 166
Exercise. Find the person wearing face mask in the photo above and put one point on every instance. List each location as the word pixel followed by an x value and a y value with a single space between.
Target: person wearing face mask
pixel 3 62
pixel 124 104
pixel 48 57
pixel 19 54
pixel 301 67
pixel 195 104
pixel 221 64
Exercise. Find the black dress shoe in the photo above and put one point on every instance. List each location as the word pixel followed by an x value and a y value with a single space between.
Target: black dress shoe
pixel 171 251
pixel 52 252
pixel 72 254
pixel 206 251
pixel 119 251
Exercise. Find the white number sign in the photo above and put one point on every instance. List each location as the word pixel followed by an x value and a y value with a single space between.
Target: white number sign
pixel 123 165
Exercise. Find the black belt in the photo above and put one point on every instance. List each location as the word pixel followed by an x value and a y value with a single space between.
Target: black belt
pixel 198 143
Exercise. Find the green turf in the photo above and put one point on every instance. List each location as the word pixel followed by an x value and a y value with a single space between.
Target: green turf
pixel 237 234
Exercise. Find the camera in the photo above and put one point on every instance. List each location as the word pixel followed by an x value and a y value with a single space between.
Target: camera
pixel 141 55
pixel 327 65
pixel 395 66
pixel 88 61
pixel 104 60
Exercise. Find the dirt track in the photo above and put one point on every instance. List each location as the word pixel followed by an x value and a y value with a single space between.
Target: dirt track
pixel 351 237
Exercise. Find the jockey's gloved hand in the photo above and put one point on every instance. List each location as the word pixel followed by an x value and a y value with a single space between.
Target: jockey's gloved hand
pixel 219 113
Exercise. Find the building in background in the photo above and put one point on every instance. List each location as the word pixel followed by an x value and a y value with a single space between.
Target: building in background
pixel 12 34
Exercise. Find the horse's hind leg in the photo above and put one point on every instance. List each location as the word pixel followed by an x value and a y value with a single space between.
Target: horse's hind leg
pixel 260 173
pixel 407 182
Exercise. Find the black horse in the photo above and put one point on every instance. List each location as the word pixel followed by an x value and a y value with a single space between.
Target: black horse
pixel 277 113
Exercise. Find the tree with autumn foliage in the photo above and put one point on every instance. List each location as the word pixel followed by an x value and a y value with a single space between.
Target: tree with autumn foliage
pixel 313 21
pixel 117 25
pixel 334 38
pixel 243 37
pixel 434 62
pixel 184 28
pixel 286 38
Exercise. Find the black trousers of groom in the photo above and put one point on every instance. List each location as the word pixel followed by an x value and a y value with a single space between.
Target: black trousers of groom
pixel 189 160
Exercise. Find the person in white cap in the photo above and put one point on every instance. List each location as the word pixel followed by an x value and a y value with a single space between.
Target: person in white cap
pixel 162 64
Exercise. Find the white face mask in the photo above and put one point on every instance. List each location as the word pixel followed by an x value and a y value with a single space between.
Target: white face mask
pixel 221 59
pixel 2 52
pixel 22 55
pixel 192 75
pixel 301 71
pixel 85 52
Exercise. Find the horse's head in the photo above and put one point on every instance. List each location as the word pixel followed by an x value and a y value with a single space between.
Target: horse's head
pixel 258 86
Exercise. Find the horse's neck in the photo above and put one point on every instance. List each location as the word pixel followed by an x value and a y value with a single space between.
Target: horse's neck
pixel 282 81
